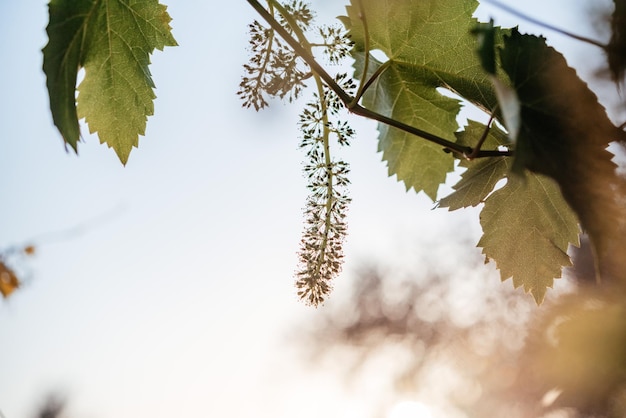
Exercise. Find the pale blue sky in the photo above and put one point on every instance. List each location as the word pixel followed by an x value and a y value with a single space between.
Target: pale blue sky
pixel 177 303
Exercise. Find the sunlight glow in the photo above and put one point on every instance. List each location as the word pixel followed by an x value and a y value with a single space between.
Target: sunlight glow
pixel 410 409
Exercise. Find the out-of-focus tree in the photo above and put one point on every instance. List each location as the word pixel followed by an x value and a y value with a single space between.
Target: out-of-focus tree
pixel 485 352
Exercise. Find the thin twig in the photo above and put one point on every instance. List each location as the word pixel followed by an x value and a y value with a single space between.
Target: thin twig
pixel 348 100
pixel 375 76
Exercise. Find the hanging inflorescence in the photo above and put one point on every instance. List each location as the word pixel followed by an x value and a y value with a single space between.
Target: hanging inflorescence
pixel 336 44
pixel 276 71
pixel 321 248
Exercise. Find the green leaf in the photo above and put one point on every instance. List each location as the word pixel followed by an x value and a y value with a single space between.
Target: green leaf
pixel 527 230
pixel 527 225
pixel 112 40
pixel 482 174
pixel 61 62
pixel 429 45
pixel 509 107
pixel 485 34
pixel 564 134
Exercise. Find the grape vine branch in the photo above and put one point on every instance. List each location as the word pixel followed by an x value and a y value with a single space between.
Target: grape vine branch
pixel 519 82
pixel 351 103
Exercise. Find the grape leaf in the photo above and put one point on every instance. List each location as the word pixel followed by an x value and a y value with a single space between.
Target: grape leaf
pixel 482 174
pixel 527 225
pixel 422 57
pixel 564 134
pixel 112 40
pixel 527 230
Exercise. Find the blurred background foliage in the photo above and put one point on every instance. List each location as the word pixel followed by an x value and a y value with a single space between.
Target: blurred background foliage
pixel 469 346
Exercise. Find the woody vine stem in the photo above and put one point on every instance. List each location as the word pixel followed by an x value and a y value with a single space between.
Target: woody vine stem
pixel 350 102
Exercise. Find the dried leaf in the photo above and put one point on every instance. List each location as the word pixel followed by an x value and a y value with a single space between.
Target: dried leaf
pixel 8 280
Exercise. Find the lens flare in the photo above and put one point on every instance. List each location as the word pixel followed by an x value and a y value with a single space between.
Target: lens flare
pixel 410 409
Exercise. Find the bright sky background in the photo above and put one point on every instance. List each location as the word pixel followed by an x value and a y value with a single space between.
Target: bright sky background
pixel 176 299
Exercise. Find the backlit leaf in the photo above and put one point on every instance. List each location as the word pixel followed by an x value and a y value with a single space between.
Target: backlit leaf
pixel 423 56
pixel 482 174
pixel 112 40
pixel 527 225
pixel 527 230
pixel 564 134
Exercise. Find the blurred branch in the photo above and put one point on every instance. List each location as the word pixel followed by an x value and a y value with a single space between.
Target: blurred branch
pixel 81 228
pixel 548 26
pixel 10 280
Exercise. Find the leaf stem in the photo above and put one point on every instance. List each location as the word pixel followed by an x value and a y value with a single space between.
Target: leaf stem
pixel 348 100
pixel 482 138
pixel 374 76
